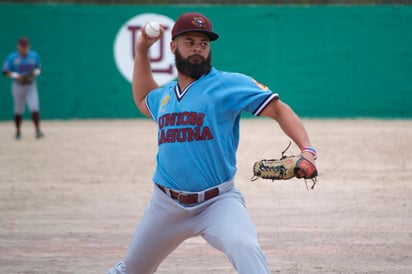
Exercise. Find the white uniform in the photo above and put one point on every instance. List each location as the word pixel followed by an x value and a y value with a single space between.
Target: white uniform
pixel 222 221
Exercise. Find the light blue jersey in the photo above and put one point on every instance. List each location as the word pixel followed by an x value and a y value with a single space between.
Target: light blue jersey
pixel 202 120
pixel 22 65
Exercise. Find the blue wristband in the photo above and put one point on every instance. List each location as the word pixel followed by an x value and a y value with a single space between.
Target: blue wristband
pixel 310 150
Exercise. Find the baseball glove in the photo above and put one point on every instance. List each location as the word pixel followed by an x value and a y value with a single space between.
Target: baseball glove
pixel 27 79
pixel 285 168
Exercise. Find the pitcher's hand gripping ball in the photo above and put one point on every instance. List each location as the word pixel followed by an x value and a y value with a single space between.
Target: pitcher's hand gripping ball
pixel 152 29
pixel 285 168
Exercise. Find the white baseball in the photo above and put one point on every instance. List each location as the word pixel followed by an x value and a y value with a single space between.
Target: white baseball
pixel 152 29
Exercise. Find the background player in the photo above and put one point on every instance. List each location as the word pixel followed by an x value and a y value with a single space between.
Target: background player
pixel 23 66
pixel 198 134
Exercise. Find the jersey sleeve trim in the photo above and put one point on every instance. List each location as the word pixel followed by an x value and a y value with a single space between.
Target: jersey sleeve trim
pixel 258 111
pixel 148 108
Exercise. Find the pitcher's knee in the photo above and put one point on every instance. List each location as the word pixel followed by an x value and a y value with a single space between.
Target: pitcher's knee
pixel 241 244
pixel 246 255
pixel 245 246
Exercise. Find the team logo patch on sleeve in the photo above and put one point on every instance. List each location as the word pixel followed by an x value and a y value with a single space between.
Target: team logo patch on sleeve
pixel 261 86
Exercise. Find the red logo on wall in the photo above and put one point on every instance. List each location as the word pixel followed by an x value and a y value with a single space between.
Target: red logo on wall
pixel 162 60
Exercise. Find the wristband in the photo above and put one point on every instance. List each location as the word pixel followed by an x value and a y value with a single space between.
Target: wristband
pixel 36 72
pixel 310 150
pixel 14 75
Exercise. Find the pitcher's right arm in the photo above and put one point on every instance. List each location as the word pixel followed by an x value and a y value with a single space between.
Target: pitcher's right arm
pixel 143 81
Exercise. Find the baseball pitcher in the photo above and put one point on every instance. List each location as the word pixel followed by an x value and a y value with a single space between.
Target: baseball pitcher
pixel 197 116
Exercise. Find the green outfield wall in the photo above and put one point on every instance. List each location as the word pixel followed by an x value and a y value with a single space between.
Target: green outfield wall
pixel 325 61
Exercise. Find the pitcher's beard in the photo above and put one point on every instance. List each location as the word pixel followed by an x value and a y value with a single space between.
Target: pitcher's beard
pixel 192 70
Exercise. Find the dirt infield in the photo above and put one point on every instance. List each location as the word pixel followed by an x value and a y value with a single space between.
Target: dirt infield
pixel 69 203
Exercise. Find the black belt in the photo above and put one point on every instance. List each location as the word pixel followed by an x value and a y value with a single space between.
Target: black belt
pixel 190 198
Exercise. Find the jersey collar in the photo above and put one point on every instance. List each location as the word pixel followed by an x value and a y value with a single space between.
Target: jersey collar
pixel 180 93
